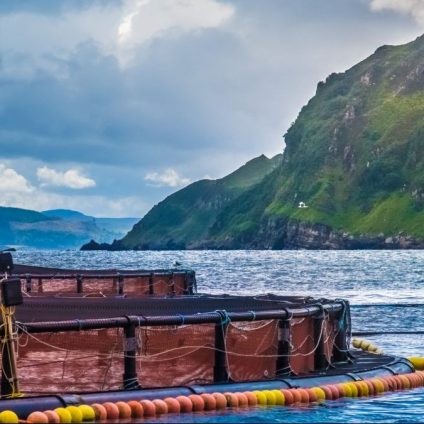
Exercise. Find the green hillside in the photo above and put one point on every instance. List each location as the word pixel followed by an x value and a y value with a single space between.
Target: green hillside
pixel 354 156
pixel 183 219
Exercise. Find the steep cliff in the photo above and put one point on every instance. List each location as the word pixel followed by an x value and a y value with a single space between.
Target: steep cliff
pixel 354 156
pixel 354 162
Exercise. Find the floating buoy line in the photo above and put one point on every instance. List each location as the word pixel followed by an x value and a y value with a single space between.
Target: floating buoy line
pixel 309 338
pixel 289 397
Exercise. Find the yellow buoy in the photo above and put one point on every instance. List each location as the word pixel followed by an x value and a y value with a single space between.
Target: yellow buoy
pixel 356 343
pixel 88 413
pixel 418 363
pixel 319 392
pixel 8 417
pixel 365 344
pixel 279 397
pixel 270 397
pixel 347 389
pixel 64 415
pixel 76 414
pixel 262 399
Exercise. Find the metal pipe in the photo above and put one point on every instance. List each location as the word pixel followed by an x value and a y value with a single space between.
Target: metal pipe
pixel 24 406
pixel 283 359
pixel 202 318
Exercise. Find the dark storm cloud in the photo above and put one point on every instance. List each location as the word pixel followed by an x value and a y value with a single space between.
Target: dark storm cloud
pixel 182 97
pixel 51 6
pixel 199 101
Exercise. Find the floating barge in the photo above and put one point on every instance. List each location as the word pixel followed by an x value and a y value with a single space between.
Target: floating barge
pixel 85 337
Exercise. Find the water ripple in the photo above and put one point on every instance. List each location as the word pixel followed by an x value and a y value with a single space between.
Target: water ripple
pixel 381 278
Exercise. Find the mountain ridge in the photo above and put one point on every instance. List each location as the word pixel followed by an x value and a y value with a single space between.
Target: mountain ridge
pixel 354 157
pixel 184 217
pixel 59 228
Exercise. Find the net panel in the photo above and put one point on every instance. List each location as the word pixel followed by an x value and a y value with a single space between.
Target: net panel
pixel 329 334
pixel 302 345
pixel 71 361
pixel 252 350
pixel 93 360
pixel 105 286
pixel 162 285
pixel 54 285
pixel 156 284
pixel 173 356
pixel 137 285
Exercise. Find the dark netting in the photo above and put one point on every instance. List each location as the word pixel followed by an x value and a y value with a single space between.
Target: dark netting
pixel 329 334
pixel 37 280
pixel 71 362
pixel 93 360
pixel 53 285
pixel 302 345
pixel 106 286
pixel 252 350
pixel 170 340
pixel 176 356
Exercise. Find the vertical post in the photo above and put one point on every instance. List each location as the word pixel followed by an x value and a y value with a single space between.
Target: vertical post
pixel 190 283
pixel 151 288
pixel 11 295
pixel 193 286
pixel 120 284
pixel 28 284
pixel 320 360
pixel 172 285
pixel 40 285
pixel 341 348
pixel 79 284
pixel 186 291
pixel 130 351
pixel 220 372
pixel 9 374
pixel 8 378
pixel 283 352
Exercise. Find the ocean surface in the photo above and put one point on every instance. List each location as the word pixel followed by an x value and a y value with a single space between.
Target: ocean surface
pixel 385 289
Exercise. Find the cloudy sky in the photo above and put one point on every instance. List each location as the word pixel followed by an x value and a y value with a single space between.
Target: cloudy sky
pixel 107 106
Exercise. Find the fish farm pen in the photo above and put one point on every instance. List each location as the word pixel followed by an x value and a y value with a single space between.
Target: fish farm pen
pixel 114 335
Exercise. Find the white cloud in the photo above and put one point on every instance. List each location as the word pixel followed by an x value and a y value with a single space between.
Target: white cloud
pixel 144 20
pixel 16 191
pixel 12 182
pixel 47 41
pixel 70 178
pixel 168 178
pixel 414 8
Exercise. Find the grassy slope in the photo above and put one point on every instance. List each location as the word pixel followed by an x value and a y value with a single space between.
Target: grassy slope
pixel 185 217
pixel 355 154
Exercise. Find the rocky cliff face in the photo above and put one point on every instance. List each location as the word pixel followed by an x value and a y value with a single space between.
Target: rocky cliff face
pixel 282 234
pixel 354 158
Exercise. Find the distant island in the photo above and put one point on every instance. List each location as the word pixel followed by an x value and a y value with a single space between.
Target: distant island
pixel 351 176
pixel 57 229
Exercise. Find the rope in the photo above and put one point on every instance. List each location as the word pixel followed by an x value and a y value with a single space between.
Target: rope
pixel 7 316
pixel 388 305
pixel 384 333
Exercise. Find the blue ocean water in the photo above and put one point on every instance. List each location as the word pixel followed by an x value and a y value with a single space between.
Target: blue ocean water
pixel 377 284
